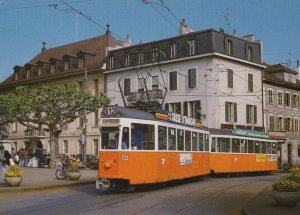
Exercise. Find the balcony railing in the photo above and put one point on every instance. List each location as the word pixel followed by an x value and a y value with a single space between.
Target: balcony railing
pixel 30 132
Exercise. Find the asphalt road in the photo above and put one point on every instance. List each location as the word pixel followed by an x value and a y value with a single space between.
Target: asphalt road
pixel 204 196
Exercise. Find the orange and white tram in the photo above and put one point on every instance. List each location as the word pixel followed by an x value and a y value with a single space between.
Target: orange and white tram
pixel 138 147
pixel 242 151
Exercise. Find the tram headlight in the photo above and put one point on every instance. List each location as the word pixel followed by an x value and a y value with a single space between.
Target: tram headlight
pixel 108 164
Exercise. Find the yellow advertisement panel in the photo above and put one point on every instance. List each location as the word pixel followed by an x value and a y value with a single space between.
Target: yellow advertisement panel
pixel 261 158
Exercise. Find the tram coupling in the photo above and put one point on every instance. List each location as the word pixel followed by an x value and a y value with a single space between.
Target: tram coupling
pixel 103 184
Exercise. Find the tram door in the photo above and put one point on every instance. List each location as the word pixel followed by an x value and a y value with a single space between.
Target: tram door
pixel 290 153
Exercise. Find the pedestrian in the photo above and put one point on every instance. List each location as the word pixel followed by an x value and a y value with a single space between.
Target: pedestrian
pixel 5 159
pixel 25 156
pixel 1 168
pixel 12 152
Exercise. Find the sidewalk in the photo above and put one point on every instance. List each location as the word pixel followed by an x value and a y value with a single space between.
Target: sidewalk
pixel 263 203
pixel 44 178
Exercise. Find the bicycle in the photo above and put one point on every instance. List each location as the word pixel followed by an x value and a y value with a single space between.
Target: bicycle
pixel 61 170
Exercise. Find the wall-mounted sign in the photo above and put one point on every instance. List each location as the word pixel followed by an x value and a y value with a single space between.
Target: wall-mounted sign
pixel 261 158
pixel 185 159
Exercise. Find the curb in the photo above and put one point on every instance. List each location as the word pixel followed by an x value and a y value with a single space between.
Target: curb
pixel 37 188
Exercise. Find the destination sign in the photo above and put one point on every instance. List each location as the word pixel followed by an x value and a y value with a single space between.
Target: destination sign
pixel 178 118
pixel 248 133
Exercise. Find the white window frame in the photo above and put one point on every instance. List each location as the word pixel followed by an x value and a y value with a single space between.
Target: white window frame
pixel 280 99
pixel 173 50
pixel 296 124
pixel 289 105
pixel 270 96
pixel 271 127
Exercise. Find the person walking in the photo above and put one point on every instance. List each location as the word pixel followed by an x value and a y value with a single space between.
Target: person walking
pixel 5 159
pixel 25 156
pixel 1 168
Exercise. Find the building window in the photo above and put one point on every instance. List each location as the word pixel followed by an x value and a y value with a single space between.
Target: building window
pixel 154 53
pixel 288 124
pixel 270 97
pixel 141 85
pixel 271 122
pixel 40 70
pixel 251 114
pixel 279 98
pixel 111 62
pixel 287 99
pixel 80 122
pixel 173 50
pixel 295 101
pixel 16 76
pixel 15 127
pixel 28 73
pixel 52 68
pixel 127 90
pixel 175 107
pixel 230 112
pixel 96 146
pixel 191 47
pixel 155 82
pixel 228 47
pixel 195 109
pixel 127 59
pixel 81 62
pixel 296 124
pixel 230 78
pixel 173 80
pixel 192 78
pixel 280 123
pixel 250 82
pixel 67 65
pixel 96 118
pixel 96 87
pixel 65 146
pixel 141 58
pixel 249 53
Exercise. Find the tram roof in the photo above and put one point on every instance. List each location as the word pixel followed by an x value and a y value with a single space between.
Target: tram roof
pixel 135 114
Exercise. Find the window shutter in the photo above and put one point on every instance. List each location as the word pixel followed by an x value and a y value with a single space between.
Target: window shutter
pixel 247 114
pixel 192 78
pixel 173 80
pixel 198 110
pixel 250 82
pixel 167 106
pixel 185 108
pixel 235 112
pixel 230 78
pixel 255 114
pixel 226 112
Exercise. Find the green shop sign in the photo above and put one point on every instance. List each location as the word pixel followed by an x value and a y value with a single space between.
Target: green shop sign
pixel 248 133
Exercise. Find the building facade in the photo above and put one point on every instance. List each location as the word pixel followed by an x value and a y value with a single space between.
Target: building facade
pixel 208 75
pixel 282 106
pixel 59 66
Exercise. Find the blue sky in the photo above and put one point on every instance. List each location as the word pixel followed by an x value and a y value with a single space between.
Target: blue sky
pixel 25 24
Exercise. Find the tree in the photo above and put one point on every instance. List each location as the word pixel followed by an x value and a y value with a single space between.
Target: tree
pixel 8 111
pixel 54 107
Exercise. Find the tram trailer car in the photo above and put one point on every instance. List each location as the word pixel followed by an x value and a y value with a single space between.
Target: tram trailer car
pixel 138 147
pixel 242 154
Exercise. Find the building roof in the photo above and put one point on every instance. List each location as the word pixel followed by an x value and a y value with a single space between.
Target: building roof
pixel 96 46
pixel 280 68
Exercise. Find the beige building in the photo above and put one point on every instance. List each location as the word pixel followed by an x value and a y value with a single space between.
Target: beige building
pixel 63 65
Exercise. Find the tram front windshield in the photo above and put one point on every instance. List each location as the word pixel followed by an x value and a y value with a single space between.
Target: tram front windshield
pixel 110 138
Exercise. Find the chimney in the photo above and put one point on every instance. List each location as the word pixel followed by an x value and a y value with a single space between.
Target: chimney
pixel 234 33
pixel 107 29
pixel 249 38
pixel 183 29
pixel 128 41
pixel 221 30
pixel 44 46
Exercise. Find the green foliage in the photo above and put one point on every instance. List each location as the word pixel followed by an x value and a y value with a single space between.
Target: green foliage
pixel 8 109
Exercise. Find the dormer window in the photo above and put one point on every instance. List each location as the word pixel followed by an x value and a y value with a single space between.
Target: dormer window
pixel 28 73
pixel 52 68
pixel 127 60
pixel 173 50
pixel 40 70
pixel 111 62
pixel 81 62
pixel 191 47
pixel 67 65
pixel 16 76
pixel 249 53
pixel 228 46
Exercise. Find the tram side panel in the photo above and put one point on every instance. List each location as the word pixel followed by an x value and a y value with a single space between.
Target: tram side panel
pixel 152 167
pixel 235 163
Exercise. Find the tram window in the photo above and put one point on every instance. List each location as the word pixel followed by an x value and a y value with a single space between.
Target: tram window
pixel 257 147
pixel 250 146
pixel 223 145
pixel 236 145
pixel 274 151
pixel 243 146
pixel 142 136
pixel 187 141
pixel 200 142
pixel 125 138
pixel 263 148
pixel 213 144
pixel 162 138
pixel 109 138
pixel 180 140
pixel 172 139
pixel 194 142
pixel 269 148
pixel 206 142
